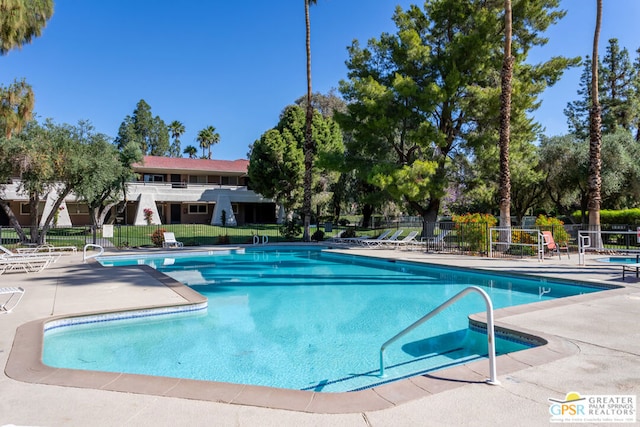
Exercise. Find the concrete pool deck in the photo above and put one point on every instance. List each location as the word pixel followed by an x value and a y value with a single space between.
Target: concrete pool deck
pixel 594 348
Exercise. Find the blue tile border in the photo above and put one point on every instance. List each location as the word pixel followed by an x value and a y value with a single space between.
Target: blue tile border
pixel 133 314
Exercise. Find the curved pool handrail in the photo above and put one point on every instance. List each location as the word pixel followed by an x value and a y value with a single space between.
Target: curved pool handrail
pixel 491 344
pixel 85 257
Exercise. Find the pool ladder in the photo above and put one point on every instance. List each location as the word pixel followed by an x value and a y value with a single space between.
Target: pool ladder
pixel 493 380
pixel 85 257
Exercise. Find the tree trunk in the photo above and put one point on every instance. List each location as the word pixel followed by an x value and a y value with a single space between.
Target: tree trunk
pixel 13 221
pixel 505 133
pixel 308 143
pixel 505 119
pixel 595 140
pixel 367 213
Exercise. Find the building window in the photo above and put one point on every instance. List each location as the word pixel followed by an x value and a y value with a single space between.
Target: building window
pixel 148 177
pixel 229 180
pixel 234 208
pixel 197 179
pixel 25 209
pixel 198 209
pixel 77 208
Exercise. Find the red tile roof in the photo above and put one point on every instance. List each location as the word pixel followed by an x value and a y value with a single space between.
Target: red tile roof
pixel 202 165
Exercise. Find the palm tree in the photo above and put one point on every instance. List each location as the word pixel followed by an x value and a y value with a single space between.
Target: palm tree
pixel 191 151
pixel 176 129
pixel 16 107
pixel 22 22
pixel 595 137
pixel 215 138
pixel 308 141
pixel 505 126
pixel 208 137
pixel 204 136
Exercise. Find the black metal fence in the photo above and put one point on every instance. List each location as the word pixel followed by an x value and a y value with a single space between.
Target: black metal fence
pixel 444 236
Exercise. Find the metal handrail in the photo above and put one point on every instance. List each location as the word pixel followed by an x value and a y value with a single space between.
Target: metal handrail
pixel 584 241
pixel 85 257
pixel 490 330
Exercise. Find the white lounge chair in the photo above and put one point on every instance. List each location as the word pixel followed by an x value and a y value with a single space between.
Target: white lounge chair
pixel 12 292
pixel 47 248
pixel 27 263
pixel 378 242
pixel 367 240
pixel 406 241
pixel 7 254
pixel 170 241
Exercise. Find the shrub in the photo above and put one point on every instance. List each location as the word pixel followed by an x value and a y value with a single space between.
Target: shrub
pixel 343 222
pixel 318 236
pixel 474 229
pixel 349 233
pixel 223 240
pixel 158 237
pixel 290 230
pixel 554 225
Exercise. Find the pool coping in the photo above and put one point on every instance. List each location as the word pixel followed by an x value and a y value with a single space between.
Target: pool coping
pixel 25 364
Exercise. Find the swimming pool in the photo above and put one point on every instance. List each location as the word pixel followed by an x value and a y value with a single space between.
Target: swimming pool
pixel 300 319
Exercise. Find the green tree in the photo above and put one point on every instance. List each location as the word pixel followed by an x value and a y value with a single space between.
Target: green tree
pixel 279 154
pixel 276 168
pixel 577 111
pixel 106 185
pixel 420 96
pixel 176 129
pixel 16 107
pixel 618 95
pixel 191 151
pixel 50 160
pixel 21 21
pixel 149 132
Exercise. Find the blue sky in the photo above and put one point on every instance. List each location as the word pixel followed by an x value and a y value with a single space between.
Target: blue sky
pixel 236 65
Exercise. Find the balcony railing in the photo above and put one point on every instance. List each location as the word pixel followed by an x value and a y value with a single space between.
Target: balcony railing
pixel 184 184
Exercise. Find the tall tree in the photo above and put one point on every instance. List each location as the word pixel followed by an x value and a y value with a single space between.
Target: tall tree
pixel 421 96
pixel 208 137
pixel 21 21
pixel 149 132
pixel 16 107
pixel 616 93
pixel 176 129
pixel 618 97
pixel 276 168
pixel 505 119
pixel 277 159
pixel 308 142
pixel 595 136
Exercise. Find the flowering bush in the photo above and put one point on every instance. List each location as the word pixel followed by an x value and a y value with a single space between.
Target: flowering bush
pixel 148 215
pixel 158 237
pixel 474 229
pixel 554 225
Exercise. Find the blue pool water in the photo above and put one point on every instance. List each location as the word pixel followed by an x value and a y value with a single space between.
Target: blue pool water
pixel 300 319
pixel 621 260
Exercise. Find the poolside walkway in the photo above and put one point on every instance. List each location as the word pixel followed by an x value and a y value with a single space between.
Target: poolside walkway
pixel 594 350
